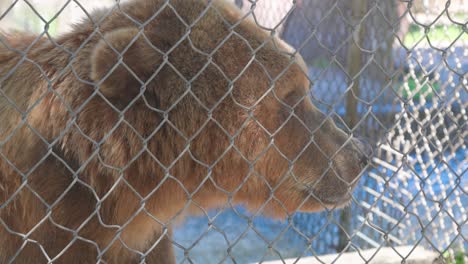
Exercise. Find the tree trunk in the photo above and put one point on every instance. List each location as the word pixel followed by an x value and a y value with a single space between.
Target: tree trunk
pixel 354 60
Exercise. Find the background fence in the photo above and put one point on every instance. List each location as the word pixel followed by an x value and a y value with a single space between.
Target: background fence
pixel 396 71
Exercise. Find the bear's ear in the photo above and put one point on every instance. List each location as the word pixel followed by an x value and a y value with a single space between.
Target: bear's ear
pixel 122 62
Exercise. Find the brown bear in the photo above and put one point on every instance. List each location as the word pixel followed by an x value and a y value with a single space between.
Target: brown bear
pixel 150 111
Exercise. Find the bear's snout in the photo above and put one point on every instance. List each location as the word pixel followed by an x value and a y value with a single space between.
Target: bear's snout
pixel 363 150
pixel 352 160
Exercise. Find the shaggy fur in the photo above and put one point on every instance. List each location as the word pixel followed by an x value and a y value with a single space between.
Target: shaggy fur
pixel 101 153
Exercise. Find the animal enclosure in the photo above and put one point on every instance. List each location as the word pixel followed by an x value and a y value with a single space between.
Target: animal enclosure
pixel 393 72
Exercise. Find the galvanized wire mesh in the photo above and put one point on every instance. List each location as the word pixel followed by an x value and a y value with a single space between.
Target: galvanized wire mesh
pixel 392 71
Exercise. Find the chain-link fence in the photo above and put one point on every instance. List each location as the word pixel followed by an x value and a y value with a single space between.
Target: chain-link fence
pixel 152 131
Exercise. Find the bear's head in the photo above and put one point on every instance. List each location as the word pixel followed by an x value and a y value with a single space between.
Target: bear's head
pixel 194 103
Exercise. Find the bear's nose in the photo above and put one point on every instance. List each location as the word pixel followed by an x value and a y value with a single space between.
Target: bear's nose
pixel 364 150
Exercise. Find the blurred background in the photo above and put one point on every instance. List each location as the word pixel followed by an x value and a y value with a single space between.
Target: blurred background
pixel 392 71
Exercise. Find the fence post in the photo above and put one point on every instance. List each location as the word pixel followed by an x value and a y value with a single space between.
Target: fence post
pixel 354 63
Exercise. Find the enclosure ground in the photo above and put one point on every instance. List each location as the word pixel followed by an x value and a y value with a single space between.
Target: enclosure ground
pixel 388 255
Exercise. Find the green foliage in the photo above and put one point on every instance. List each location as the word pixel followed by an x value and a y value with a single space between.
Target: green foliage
pixel 437 33
pixel 418 87
pixel 321 63
pixel 454 257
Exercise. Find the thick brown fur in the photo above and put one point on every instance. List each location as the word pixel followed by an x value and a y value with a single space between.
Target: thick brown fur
pixel 101 155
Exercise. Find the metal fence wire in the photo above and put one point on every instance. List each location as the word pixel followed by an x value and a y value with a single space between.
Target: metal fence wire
pixel 163 145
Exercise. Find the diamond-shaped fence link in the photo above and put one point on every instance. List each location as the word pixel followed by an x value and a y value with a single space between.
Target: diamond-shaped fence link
pixel 171 131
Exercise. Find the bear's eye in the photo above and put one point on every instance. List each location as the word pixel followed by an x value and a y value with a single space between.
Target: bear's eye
pixel 293 97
